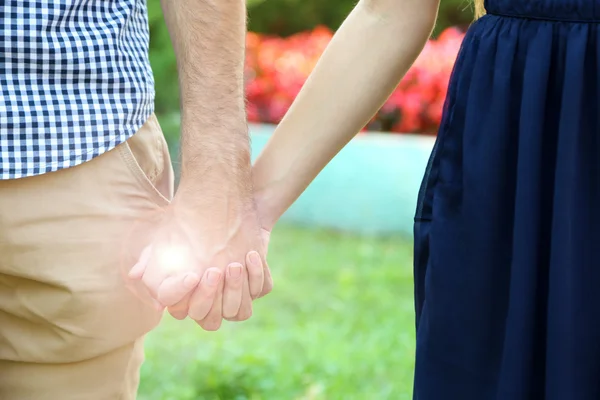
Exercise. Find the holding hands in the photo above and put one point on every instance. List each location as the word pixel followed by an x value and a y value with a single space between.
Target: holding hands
pixel 206 261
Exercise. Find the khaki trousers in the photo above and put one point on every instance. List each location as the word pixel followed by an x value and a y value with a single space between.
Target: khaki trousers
pixel 71 325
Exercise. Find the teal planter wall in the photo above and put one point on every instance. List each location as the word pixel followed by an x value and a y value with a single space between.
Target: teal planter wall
pixel 370 187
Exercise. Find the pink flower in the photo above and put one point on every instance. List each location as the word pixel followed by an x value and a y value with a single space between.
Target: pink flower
pixel 276 69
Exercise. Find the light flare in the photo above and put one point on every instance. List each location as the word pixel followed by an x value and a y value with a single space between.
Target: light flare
pixel 173 259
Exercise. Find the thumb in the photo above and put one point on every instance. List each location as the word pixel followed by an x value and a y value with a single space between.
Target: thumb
pixel 175 288
pixel 137 271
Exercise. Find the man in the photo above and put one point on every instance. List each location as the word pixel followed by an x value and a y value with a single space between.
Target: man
pixel 86 187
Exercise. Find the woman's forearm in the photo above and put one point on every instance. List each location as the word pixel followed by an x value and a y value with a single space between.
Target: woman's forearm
pixel 358 71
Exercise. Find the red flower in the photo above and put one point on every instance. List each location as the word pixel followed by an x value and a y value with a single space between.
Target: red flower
pixel 276 69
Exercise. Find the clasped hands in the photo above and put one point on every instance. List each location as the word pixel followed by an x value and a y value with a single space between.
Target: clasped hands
pixel 207 262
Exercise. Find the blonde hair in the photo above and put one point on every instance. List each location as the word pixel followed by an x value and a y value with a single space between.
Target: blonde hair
pixel 479 8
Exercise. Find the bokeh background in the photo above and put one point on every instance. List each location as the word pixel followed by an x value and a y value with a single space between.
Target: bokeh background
pixel 340 322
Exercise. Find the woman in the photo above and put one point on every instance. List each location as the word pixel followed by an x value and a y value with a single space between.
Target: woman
pixel 507 227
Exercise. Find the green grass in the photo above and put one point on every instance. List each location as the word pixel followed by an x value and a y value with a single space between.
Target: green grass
pixel 338 325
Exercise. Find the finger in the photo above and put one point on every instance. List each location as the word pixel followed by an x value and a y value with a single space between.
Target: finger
pixel 268 283
pixel 180 310
pixel 152 278
pixel 148 296
pixel 212 321
pixel 205 295
pixel 140 267
pixel 138 273
pixel 232 291
pixel 245 311
pixel 169 270
pixel 173 289
pixel 255 273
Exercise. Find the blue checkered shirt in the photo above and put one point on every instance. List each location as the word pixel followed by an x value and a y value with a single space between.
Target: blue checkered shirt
pixel 75 81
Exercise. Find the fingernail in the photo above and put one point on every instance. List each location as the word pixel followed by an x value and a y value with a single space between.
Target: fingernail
pixel 235 270
pixel 213 278
pixel 190 281
pixel 254 258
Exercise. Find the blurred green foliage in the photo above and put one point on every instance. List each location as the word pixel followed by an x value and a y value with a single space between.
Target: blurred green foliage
pixel 162 58
pixel 278 17
pixel 285 17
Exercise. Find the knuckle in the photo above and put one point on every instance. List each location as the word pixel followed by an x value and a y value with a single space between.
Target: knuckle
pixel 229 312
pixel 244 313
pixel 210 325
pixel 243 316
pixel 207 291
pixel 234 284
pixel 197 314
pixel 207 296
pixel 166 299
pixel 197 311
pixel 256 278
pixel 266 290
pixel 255 270
pixel 179 315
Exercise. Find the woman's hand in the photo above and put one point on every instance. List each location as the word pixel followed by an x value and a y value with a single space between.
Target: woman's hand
pixel 207 263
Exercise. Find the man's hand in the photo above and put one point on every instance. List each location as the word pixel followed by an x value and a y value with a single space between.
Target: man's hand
pixel 207 264
pixel 212 225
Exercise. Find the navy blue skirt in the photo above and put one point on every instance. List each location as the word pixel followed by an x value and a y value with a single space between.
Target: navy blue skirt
pixel 507 230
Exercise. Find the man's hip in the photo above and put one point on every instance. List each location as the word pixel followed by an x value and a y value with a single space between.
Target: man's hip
pixel 71 326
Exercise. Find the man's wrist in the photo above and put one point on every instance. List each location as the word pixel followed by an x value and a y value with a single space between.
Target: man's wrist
pixel 218 166
pixel 216 183
pixel 213 155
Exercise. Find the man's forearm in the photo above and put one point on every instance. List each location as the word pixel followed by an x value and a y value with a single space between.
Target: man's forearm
pixel 360 68
pixel 209 41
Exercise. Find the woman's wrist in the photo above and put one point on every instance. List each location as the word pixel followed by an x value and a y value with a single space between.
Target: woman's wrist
pixel 267 207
